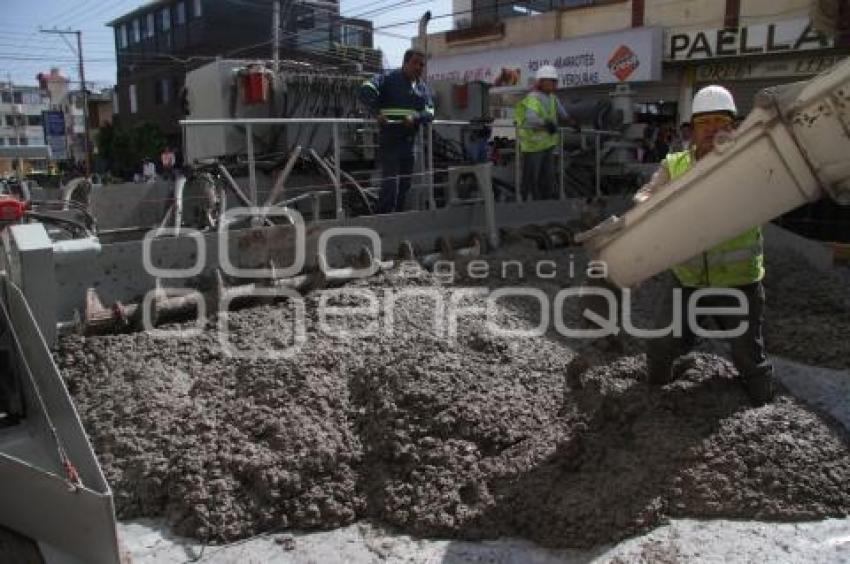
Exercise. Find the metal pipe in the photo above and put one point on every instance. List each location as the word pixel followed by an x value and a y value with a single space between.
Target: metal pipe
pixel 517 164
pixel 284 121
pixel 252 165
pixel 179 185
pixel 561 174
pixel 249 290
pixel 235 187
pixel 276 37
pixel 334 179
pixel 165 219
pixel 485 181
pixel 598 140
pixel 277 190
pixel 337 176
pixel 357 187
pixel 432 202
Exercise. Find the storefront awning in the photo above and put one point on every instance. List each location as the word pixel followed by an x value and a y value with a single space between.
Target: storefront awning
pixel 25 152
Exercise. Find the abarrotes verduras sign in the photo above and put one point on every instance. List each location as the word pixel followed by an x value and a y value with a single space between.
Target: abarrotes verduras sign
pixel 787 36
pixel 632 55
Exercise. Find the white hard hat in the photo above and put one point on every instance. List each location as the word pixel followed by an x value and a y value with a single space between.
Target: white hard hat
pixel 713 98
pixel 546 71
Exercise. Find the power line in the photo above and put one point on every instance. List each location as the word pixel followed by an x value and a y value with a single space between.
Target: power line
pixel 103 9
pixel 65 13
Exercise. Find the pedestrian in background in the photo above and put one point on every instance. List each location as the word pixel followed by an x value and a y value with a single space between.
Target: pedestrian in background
pixel 148 171
pixel 167 159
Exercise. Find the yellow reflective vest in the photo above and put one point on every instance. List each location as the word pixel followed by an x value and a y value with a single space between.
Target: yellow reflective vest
pixel 534 139
pixel 736 262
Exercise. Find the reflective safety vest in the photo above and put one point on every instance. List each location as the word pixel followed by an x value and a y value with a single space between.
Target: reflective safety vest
pixel 736 262
pixel 532 140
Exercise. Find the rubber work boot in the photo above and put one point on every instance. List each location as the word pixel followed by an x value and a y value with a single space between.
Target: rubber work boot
pixel 760 388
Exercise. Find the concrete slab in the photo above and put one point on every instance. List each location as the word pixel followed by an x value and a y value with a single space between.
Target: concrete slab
pixel 692 541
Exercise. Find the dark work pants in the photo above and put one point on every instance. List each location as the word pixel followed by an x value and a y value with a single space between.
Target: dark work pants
pixel 396 156
pixel 748 352
pixel 538 175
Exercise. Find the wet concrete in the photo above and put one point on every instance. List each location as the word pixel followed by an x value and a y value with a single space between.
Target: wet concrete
pixel 549 439
pixel 808 311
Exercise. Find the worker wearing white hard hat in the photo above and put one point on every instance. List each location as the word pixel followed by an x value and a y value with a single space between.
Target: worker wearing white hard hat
pixel 537 117
pixel 734 265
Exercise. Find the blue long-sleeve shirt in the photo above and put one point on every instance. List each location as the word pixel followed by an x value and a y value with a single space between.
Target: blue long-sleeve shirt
pixel 394 96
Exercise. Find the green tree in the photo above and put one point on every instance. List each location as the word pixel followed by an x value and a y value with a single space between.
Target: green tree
pixel 123 149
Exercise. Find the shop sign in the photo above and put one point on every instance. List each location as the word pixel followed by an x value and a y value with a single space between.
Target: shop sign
pixel 54 133
pixel 759 39
pixel 628 56
pixel 746 70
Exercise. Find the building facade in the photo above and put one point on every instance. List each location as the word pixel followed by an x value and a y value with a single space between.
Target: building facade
pixel 67 140
pixel 158 43
pixel 744 45
pixel 21 115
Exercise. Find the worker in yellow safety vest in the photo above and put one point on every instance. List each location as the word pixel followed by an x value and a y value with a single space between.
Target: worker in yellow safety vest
pixel 537 117
pixel 737 264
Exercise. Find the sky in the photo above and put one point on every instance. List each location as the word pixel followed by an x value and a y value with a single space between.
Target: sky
pixel 24 51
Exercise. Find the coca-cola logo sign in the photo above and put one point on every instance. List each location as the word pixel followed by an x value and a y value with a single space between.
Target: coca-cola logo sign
pixel 623 63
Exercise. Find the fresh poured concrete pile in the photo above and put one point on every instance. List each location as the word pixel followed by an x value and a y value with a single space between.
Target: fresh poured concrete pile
pixel 808 312
pixel 474 437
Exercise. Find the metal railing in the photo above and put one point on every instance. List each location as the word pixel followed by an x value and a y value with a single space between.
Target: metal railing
pixel 426 140
pixel 597 144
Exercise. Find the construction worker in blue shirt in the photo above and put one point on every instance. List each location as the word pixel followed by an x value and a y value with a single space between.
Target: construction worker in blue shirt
pixel 400 101
pixel 537 117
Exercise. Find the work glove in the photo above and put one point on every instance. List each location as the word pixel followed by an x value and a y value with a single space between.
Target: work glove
pixel 551 127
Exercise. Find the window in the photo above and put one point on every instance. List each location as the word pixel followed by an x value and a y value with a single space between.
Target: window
pixel 196 8
pixel 137 34
pixel 24 141
pixel 2 141
pixel 134 107
pixel 149 25
pixel 36 141
pixel 33 120
pixel 165 17
pixel 121 36
pixel 18 98
pixel 352 35
pixel 6 97
pixel 162 92
pixel 13 141
pixel 10 120
pixel 115 101
pixel 181 13
pixel 32 98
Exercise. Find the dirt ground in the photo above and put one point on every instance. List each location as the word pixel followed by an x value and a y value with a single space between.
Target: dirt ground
pixel 480 435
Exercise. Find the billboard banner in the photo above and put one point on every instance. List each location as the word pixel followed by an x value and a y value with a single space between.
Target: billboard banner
pixel 632 55
pixel 54 133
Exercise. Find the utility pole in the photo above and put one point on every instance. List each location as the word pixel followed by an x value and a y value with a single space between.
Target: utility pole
pixel 16 124
pixel 276 37
pixel 82 71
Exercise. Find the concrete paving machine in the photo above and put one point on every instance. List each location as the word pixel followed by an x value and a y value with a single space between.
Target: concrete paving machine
pixel 122 258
